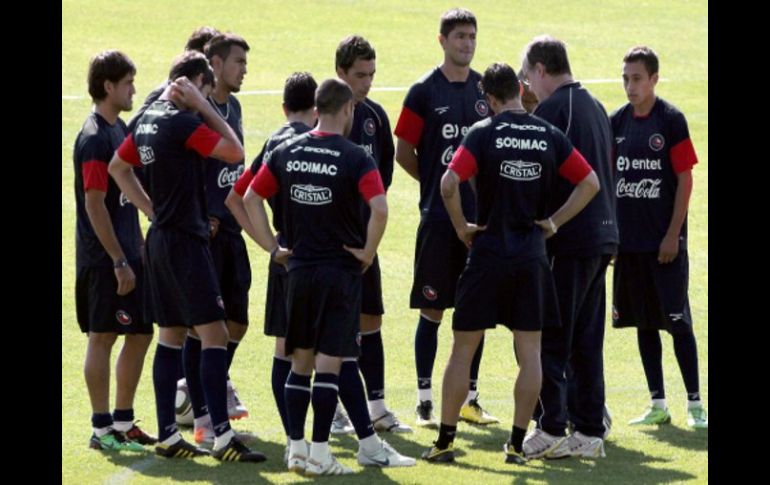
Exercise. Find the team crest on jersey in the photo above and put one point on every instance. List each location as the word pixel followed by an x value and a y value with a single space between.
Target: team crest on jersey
pixel 481 107
pixel 220 302
pixel 123 317
pixel 429 292
pixel 369 127
pixel 657 142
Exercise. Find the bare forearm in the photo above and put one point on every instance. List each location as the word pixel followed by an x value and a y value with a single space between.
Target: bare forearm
pixel 375 230
pixel 254 206
pixel 681 202
pixel 407 158
pixel 102 224
pixel 130 186
pixel 234 202
pixel 452 199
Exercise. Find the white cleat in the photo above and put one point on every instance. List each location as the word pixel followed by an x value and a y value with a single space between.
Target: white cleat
pixel 578 444
pixel 296 457
pixel 538 443
pixel 328 466
pixel 386 456
pixel 235 408
pixel 389 422
pixel 341 423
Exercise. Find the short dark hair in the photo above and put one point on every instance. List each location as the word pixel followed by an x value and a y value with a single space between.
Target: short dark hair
pixel 199 38
pixel 550 52
pixel 220 45
pixel 107 66
pixel 500 81
pixel 331 96
pixel 351 48
pixel 457 16
pixel 299 92
pixel 190 64
pixel 644 54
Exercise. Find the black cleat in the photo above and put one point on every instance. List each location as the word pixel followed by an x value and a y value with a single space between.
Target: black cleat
pixel 513 456
pixel 180 449
pixel 237 451
pixel 136 434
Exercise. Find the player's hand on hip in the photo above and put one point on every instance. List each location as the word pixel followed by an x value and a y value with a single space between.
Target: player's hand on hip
pixel 669 248
pixel 361 255
pixel 126 280
pixel 467 233
pixel 281 256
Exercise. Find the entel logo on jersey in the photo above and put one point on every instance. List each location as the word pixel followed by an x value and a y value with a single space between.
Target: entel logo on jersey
pixel 311 194
pixel 639 164
pixel 123 317
pixel 643 189
pixel 227 177
pixel 369 127
pixel 657 142
pixel 520 170
pixel 450 131
pixel 481 107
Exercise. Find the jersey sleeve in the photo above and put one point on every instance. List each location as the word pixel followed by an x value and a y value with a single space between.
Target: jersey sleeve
pixel 95 155
pixel 465 159
pixel 388 151
pixel 265 184
pixel 369 179
pixel 412 118
pixel 197 136
pixel 128 152
pixel 682 151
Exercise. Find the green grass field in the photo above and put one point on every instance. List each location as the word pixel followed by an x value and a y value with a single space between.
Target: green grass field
pixel 301 35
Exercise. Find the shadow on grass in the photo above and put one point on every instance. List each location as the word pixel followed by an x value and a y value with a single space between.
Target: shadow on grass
pixel 687 438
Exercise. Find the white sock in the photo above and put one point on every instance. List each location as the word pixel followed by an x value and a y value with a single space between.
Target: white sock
pixel 424 394
pixel 99 432
pixel 319 451
pixel 172 439
pixel 471 395
pixel 297 447
pixel 339 409
pixel 377 408
pixel 694 404
pixel 370 444
pixel 223 440
pixel 122 426
pixel 203 422
pixel 659 403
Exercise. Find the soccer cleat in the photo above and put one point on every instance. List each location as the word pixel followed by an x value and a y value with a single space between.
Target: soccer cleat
pixel 653 415
pixel 513 456
pixel 578 444
pixel 296 461
pixel 235 408
pixel 697 417
pixel 341 423
pixel 439 455
pixel 389 422
pixel 115 441
pixel 180 449
pixel 385 456
pixel 473 413
pixel 329 466
pixel 425 415
pixel 606 421
pixel 538 443
pixel 136 434
pixel 205 436
pixel 237 451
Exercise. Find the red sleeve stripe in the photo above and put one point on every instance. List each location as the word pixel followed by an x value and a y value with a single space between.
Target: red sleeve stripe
pixel 370 185
pixel 127 151
pixel 464 164
pixel 575 168
pixel 242 184
pixel 95 175
pixel 264 184
pixel 203 140
pixel 409 126
pixel 683 156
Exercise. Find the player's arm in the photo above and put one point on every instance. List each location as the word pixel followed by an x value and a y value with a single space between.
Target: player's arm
pixel 261 188
pixel 409 129
pixel 462 167
pixel 577 170
pixel 95 184
pixel 234 202
pixel 373 192
pixel 669 246
pixel 406 156
pixel 121 170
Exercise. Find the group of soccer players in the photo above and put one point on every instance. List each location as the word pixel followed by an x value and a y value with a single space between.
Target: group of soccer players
pixel 521 214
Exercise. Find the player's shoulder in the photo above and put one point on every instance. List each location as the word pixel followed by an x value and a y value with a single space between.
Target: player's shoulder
pixel 668 110
pixel 619 113
pixel 375 109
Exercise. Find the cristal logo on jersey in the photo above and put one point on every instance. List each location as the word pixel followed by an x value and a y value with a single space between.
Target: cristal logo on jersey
pixel 227 177
pixel 369 127
pixel 520 170
pixel 646 188
pixel 311 194
pixel 657 142
pixel 429 292
pixel 481 107
pixel 123 317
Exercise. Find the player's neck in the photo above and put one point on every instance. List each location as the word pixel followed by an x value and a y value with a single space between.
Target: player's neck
pixel 304 117
pixel 513 105
pixel 643 109
pixel 330 124
pixel 455 73
pixel 107 111
pixel 220 95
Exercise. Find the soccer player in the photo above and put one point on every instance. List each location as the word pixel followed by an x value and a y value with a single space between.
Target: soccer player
pixel 109 266
pixel 227 55
pixel 321 179
pixel 355 62
pixel 437 112
pixel 579 254
pixel 654 161
pixel 298 104
pixel 516 159
pixel 171 141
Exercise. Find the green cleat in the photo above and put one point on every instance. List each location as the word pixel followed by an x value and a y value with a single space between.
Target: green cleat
pixel 653 415
pixel 697 417
pixel 114 440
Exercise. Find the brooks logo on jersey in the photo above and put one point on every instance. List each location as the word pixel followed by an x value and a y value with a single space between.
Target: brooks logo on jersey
pixel 643 189
pixel 515 126
pixel 520 170
pixel 322 151
pixel 227 177
pixel 521 143
pixel 311 167
pixel 311 195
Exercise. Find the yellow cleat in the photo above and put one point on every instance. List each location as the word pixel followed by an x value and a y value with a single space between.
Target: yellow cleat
pixel 474 413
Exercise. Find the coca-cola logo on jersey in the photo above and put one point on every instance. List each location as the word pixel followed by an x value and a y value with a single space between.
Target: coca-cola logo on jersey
pixel 644 189
pixel 446 157
pixel 227 177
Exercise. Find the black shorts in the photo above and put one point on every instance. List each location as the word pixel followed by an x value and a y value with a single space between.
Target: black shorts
pixel 649 295
pixel 371 290
pixel 101 310
pixel 439 258
pixel 181 283
pixel 275 301
pixel 324 303
pixel 520 296
pixel 231 261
